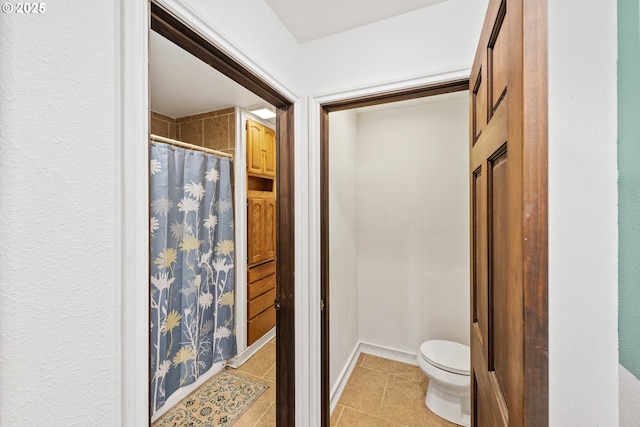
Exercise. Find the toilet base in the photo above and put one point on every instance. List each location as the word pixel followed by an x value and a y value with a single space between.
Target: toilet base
pixel 450 406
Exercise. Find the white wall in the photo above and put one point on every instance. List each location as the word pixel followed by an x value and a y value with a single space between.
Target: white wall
pixel 399 226
pixel 413 224
pixel 439 38
pixel 59 263
pixel 343 239
pixel 629 398
pixel 583 349
pixel 253 29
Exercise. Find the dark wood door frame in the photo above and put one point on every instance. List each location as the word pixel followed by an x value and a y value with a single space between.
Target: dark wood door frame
pixel 325 109
pixel 172 28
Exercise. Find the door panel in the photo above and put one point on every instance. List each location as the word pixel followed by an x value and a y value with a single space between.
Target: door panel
pixel 498 60
pixel 255 232
pixel 255 136
pixel 261 229
pixel 269 228
pixel 479 105
pixel 269 151
pixel 480 316
pixel 507 196
pixel 499 344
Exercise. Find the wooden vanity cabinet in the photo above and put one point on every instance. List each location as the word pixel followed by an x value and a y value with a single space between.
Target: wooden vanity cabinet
pixel 261 230
pixel 261 292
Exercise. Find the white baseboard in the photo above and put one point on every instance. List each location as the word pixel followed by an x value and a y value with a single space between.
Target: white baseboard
pixel 183 392
pixel 345 374
pixel 374 350
pixel 389 353
pixel 248 352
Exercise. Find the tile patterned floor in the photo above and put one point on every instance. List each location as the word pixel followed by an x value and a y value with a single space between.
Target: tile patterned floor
pixel 385 393
pixel 261 368
pixel 379 393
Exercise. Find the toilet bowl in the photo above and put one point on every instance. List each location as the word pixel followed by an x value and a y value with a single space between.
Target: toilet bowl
pixel 446 363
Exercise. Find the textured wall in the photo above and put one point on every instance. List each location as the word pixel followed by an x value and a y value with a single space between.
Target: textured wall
pixel 59 298
pixel 583 267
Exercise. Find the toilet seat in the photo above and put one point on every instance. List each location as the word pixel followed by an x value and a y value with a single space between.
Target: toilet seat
pixel 447 355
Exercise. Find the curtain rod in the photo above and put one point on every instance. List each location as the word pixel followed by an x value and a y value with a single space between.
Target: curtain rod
pixel 189 146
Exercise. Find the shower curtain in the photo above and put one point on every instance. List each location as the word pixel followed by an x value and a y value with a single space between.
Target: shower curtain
pixel 192 266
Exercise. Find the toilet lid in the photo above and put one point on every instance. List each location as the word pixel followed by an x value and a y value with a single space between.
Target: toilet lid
pixel 447 355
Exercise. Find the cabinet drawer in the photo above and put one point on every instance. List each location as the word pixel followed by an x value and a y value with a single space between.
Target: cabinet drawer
pixel 261 303
pixel 261 286
pixel 261 271
pixel 260 325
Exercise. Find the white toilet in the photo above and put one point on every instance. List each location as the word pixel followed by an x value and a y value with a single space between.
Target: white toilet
pixel 446 363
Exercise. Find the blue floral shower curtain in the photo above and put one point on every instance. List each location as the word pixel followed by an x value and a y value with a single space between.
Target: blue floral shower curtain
pixel 192 267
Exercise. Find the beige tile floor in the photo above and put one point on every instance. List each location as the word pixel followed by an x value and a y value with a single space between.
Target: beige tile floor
pixel 379 393
pixel 261 368
pixel 385 393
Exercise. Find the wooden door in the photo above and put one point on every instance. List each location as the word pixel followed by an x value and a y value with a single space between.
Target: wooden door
pixel 255 135
pixel 269 150
pixel 509 217
pixel 255 230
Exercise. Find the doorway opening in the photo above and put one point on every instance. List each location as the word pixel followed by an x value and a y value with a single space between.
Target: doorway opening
pixel 326 109
pixel 279 186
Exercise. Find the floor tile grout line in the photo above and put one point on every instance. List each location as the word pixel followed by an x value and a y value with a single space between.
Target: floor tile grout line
pixel 360 411
pixel 339 416
pixel 384 391
pixel 257 424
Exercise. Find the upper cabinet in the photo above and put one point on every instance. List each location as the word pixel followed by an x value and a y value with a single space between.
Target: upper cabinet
pixel 269 142
pixel 261 150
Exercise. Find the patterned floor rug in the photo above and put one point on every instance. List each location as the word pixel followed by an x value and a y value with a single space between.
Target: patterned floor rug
pixel 219 402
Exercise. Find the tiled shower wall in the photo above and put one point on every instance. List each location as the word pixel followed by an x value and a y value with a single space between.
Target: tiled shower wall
pixel 214 129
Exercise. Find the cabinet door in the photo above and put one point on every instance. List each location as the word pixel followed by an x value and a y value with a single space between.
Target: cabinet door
pixel 269 151
pixel 255 230
pixel 255 136
pixel 269 247
pixel 260 325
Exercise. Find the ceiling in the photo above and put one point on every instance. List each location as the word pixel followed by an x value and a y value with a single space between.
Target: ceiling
pixel 313 19
pixel 182 85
